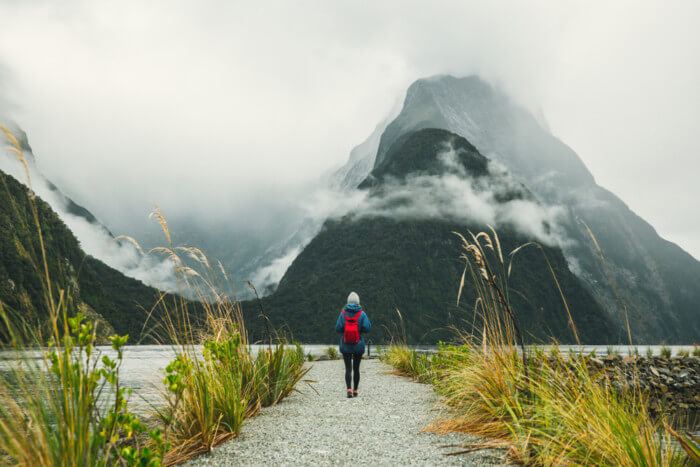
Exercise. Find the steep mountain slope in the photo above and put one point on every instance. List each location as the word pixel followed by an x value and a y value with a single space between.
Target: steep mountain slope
pixel 44 186
pixel 658 283
pixel 95 237
pixel 397 249
pixel 123 302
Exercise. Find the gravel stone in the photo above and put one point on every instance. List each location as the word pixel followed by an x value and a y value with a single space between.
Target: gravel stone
pixel 323 427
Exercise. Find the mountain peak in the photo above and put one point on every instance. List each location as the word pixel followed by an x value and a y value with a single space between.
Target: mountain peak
pixel 493 123
pixel 514 138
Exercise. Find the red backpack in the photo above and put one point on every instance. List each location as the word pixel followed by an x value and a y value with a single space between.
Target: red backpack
pixel 351 335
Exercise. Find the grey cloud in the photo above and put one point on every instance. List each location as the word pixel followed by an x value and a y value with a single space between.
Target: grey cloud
pixel 224 114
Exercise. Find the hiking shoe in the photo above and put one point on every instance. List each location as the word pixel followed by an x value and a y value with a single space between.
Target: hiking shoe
pixel 349 393
pixel 354 394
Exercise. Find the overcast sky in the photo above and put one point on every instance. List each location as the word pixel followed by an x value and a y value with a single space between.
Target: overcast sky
pixel 229 109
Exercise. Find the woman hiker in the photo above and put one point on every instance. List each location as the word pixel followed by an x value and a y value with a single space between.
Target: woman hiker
pixel 352 324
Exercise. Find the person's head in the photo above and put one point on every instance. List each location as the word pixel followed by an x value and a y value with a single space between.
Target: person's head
pixel 354 298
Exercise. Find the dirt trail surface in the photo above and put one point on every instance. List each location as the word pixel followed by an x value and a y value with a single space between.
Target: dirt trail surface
pixel 380 427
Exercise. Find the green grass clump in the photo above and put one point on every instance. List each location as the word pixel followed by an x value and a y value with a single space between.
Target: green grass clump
pixel 665 352
pixel 696 351
pixel 332 353
pixel 683 353
pixel 650 352
pixel 66 407
pixel 407 362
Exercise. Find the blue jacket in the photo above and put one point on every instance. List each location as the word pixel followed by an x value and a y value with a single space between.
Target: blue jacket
pixel 363 324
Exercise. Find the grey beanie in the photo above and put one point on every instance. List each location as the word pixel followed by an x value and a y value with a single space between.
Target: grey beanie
pixel 354 298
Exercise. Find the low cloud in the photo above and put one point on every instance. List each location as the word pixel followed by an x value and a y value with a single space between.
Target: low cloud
pixel 271 274
pixel 94 239
pixel 496 200
pixel 454 195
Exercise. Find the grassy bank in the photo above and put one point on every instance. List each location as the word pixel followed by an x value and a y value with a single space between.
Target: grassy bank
pixel 544 409
pixel 68 407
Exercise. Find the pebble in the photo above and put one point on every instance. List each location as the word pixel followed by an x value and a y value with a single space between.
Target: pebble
pixel 319 425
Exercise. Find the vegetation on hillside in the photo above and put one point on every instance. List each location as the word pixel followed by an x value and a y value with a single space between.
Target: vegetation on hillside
pixel 122 301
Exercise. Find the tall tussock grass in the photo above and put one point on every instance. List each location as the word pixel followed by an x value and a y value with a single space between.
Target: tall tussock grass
pixel 546 410
pixel 61 400
pixel 216 382
pixel 408 362
pixel 404 359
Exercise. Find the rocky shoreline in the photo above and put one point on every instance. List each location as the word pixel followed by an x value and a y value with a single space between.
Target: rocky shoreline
pixel 672 384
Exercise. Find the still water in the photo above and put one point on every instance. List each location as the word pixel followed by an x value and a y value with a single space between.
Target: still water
pixel 143 368
pixel 143 365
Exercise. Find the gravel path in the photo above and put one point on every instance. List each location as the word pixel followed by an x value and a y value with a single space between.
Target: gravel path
pixel 380 427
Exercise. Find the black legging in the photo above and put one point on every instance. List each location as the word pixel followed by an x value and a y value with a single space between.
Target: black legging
pixel 355 358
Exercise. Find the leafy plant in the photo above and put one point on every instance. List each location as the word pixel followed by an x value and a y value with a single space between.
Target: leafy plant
pixel 74 412
pixel 683 353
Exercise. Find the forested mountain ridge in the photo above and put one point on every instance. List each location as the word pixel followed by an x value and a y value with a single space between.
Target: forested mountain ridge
pixel 121 301
pixel 398 251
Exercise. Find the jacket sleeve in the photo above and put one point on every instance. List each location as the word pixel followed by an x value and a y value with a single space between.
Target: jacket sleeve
pixel 366 325
pixel 340 324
